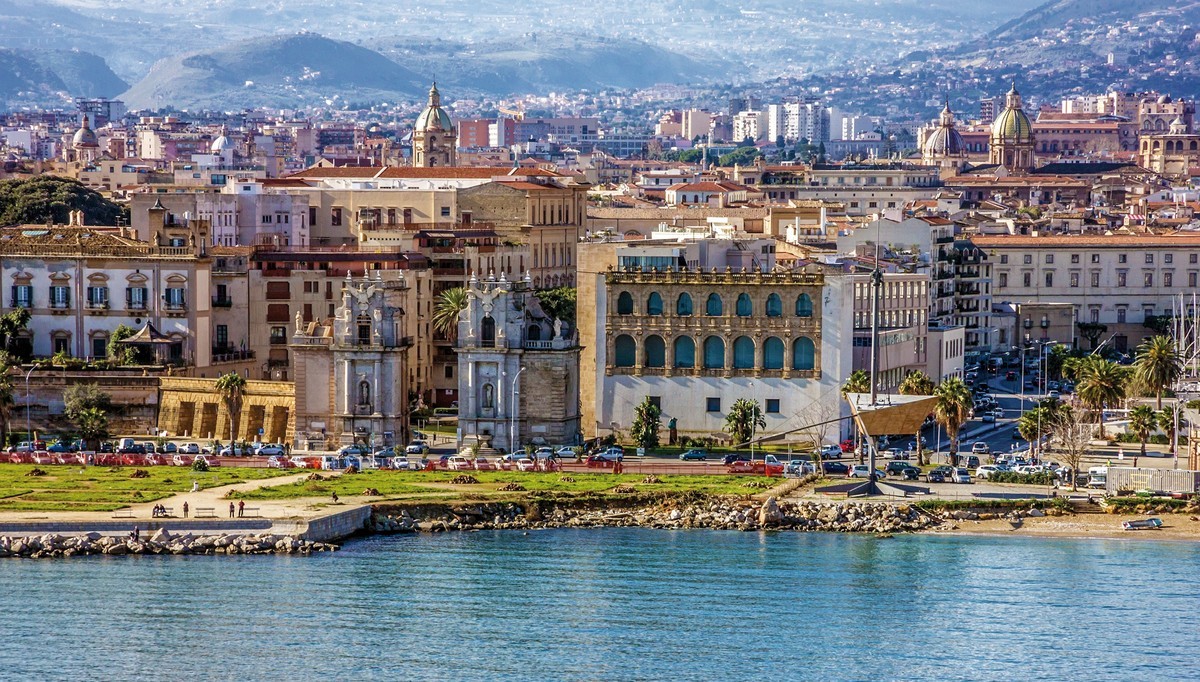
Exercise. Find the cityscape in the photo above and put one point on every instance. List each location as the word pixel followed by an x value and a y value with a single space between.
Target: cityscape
pixel 897 300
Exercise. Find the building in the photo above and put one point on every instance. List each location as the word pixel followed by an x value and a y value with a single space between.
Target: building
pixel 1173 153
pixel 903 325
pixel 695 325
pixel 351 379
pixel 518 369
pixel 1012 142
pixel 434 138
pixel 943 145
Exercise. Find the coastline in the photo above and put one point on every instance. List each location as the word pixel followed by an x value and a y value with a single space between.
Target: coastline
pixel 1179 527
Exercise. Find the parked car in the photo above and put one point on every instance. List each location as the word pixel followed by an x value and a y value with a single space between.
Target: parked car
pixel 769 465
pixel 544 453
pixel 270 450
pixel 939 474
pixel 799 467
pixel 864 471
pixel 971 461
pixel 233 450
pixel 985 472
pixel 169 448
pixel 694 455
pixel 613 453
pixel 988 418
pixel 190 449
pixel 400 463
pixel 895 453
pixel 735 457
pixel 902 469
pixel 280 463
pixel 359 450
pixel 980 448
pixel 482 464
pixel 831 451
pixel 565 451
pixel 834 468
pixel 210 461
pixel 459 463
pixel 526 464
pixel 416 447
pixel 960 475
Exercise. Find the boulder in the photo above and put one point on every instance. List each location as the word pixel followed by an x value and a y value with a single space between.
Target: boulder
pixel 769 514
pixel 1036 513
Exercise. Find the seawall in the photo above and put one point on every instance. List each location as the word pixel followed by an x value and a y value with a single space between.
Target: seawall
pixel 334 527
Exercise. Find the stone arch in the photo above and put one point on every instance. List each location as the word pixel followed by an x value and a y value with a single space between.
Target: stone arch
pixel 655 351
pixel 685 352
pixel 772 353
pixel 714 353
pixel 625 303
pixel 714 307
pixel 774 306
pixel 624 351
pixel 804 306
pixel 803 354
pixel 683 304
pixel 743 353
pixel 744 307
pixel 654 304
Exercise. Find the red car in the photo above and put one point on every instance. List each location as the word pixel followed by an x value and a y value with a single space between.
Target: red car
pixel 846 445
pixel 598 462
pixel 769 466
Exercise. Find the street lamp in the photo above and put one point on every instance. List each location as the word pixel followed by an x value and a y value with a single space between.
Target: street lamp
pixel 28 429
pixel 512 413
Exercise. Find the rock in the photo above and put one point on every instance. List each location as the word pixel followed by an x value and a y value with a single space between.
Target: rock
pixel 769 514
pixel 1036 513
pixel 161 536
pixel 35 472
pixel 140 473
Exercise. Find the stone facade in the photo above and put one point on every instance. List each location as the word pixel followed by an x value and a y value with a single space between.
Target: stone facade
pixel 193 408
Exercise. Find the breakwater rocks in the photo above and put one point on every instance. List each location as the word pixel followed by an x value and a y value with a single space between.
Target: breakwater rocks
pixel 161 542
pixel 712 513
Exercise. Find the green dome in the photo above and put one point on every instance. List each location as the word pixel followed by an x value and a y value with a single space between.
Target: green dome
pixel 1012 125
pixel 434 117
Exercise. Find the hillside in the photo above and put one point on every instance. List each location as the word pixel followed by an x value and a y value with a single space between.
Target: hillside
pixel 279 71
pixel 55 75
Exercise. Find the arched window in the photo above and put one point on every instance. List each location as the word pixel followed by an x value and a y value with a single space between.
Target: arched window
pixel 772 353
pixel 804 306
pixel 683 304
pixel 656 352
pixel 654 304
pixel 714 352
pixel 743 353
pixel 626 351
pixel 803 353
pixel 774 306
pixel 685 352
pixel 744 307
pixel 625 303
pixel 488 332
pixel 713 307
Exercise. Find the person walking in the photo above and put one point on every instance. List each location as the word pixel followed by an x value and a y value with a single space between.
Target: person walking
pixel 241 508
pixel 231 509
pixel 185 510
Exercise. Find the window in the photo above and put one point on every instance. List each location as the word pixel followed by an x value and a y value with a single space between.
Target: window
pixel 656 352
pixel 774 306
pixel 1121 276
pixel 1028 259
pixel 60 296
pixel 713 307
pixel 1095 279
pixel 743 353
pixel 97 297
pixel 175 298
pixel 1049 259
pixel 1192 280
pixel 1148 279
pixel 1027 279
pixel 1003 279
pixel 449 371
pixel 1149 259
pixel 278 335
pixel 1168 279
pixel 1095 315
pixel 1074 258
pixel 625 351
pixel 1074 280
pixel 685 352
pixel 744 307
pixel 22 296
pixel 654 304
pixel 62 343
pixel 335 217
pixel 772 405
pixel 772 353
pixel 1122 257
pixel 1049 279
pixel 99 346
pixel 804 306
pixel 445 211
pixel 714 352
pixel 1193 258
pixel 712 404
pixel 222 336
pixel 625 303
pixel 683 304
pixel 1120 315
pixel 1095 258
pixel 1168 258
pixel 1004 259
pixel 803 354
pixel 655 400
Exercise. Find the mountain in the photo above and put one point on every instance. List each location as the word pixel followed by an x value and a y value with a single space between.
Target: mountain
pixel 55 75
pixel 280 71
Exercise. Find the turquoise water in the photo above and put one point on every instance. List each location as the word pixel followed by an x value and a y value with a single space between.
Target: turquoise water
pixel 616 604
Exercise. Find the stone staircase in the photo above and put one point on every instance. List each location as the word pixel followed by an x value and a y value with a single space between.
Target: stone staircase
pixel 1080 505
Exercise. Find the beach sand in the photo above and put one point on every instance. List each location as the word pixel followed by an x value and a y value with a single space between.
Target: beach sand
pixel 1178 527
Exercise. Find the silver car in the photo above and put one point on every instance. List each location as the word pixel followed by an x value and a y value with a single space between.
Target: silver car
pixel 960 475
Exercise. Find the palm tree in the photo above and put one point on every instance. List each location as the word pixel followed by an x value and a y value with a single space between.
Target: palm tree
pixel 449 304
pixel 859 382
pixel 1041 420
pixel 1142 420
pixel 1101 383
pixel 1158 365
pixel 745 416
pixel 917 383
pixel 954 402
pixel 232 386
pixel 93 426
pixel 647 420
pixel 1166 422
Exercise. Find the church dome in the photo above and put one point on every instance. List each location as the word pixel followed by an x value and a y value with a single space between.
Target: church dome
pixel 85 136
pixel 1012 125
pixel 434 117
pixel 945 140
pixel 220 144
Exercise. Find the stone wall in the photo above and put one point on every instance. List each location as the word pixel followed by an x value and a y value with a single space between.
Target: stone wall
pixel 193 408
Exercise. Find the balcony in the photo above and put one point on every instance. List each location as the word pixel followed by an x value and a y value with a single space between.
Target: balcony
pixel 230 354
pixel 175 309
pixel 136 306
pixel 222 302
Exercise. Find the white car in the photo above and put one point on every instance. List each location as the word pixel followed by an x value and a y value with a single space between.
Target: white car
pixel 565 451
pixel 417 447
pixel 981 448
pixel 457 463
pixel 270 450
pixel 400 463
pixel 864 471
pixel 190 449
pixel 985 472
pixel 960 475
pixel 526 464
pixel 544 452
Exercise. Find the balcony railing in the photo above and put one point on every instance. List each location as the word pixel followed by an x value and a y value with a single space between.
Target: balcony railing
pixel 176 307
pixel 222 302
pixel 229 354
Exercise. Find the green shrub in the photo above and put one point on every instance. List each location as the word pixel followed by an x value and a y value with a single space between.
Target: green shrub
pixel 199 465
pixel 1040 478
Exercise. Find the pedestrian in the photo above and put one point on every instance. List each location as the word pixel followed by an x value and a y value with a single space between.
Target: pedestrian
pixel 1135 458
pixel 185 510
pixel 241 508
pixel 137 534
pixel 231 508
pixel 335 498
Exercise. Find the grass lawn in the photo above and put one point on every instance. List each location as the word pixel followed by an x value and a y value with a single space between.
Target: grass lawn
pixel 435 485
pixel 75 488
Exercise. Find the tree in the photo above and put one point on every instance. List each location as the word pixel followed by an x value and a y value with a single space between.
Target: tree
pixel 1158 365
pixel 1072 436
pixel 122 353
pixel 80 397
pixel 7 389
pixel 647 420
pixel 446 309
pixel 744 418
pixel 1035 423
pixel 1092 331
pixel 742 156
pixel 1056 359
pixel 953 406
pixel 1101 383
pixel 558 303
pixel 1142 421
pixel 12 324
pixel 917 383
pixel 859 382
pixel 47 197
pixel 1167 422
pixel 232 386
pixel 93 427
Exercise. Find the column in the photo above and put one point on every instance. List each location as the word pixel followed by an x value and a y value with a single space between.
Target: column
pixel 348 382
pixel 376 398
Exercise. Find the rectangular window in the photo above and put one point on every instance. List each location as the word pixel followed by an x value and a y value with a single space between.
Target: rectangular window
pixel 772 405
pixel 713 405
pixel 60 296
pixel 1003 279
pixel 1121 315
pixel 175 298
pixel 445 211
pixel 1049 279
pixel 449 371
pixel 1121 279
pixel 1095 313
pixel 278 335
pixel 1028 259
pixel 1004 259
pixel 1193 258
pixel 1148 279
pixel 1027 279
pixel 222 335
pixel 1049 259
pixel 655 400
pixel 1122 258
pixel 135 298
pixel 1095 279
pixel 1149 258
pixel 1168 279
pixel 1074 280
pixel 97 297
pixel 22 296
pixel 1192 279
pixel 1168 258
pixel 1074 258
pixel 1095 258
pixel 335 217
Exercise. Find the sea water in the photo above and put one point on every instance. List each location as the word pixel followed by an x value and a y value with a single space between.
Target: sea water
pixel 616 604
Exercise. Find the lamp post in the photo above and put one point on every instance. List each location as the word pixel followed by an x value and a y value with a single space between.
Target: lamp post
pixel 512 413
pixel 28 429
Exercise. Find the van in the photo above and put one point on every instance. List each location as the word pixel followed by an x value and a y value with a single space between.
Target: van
pixel 1097 477
pixel 971 461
